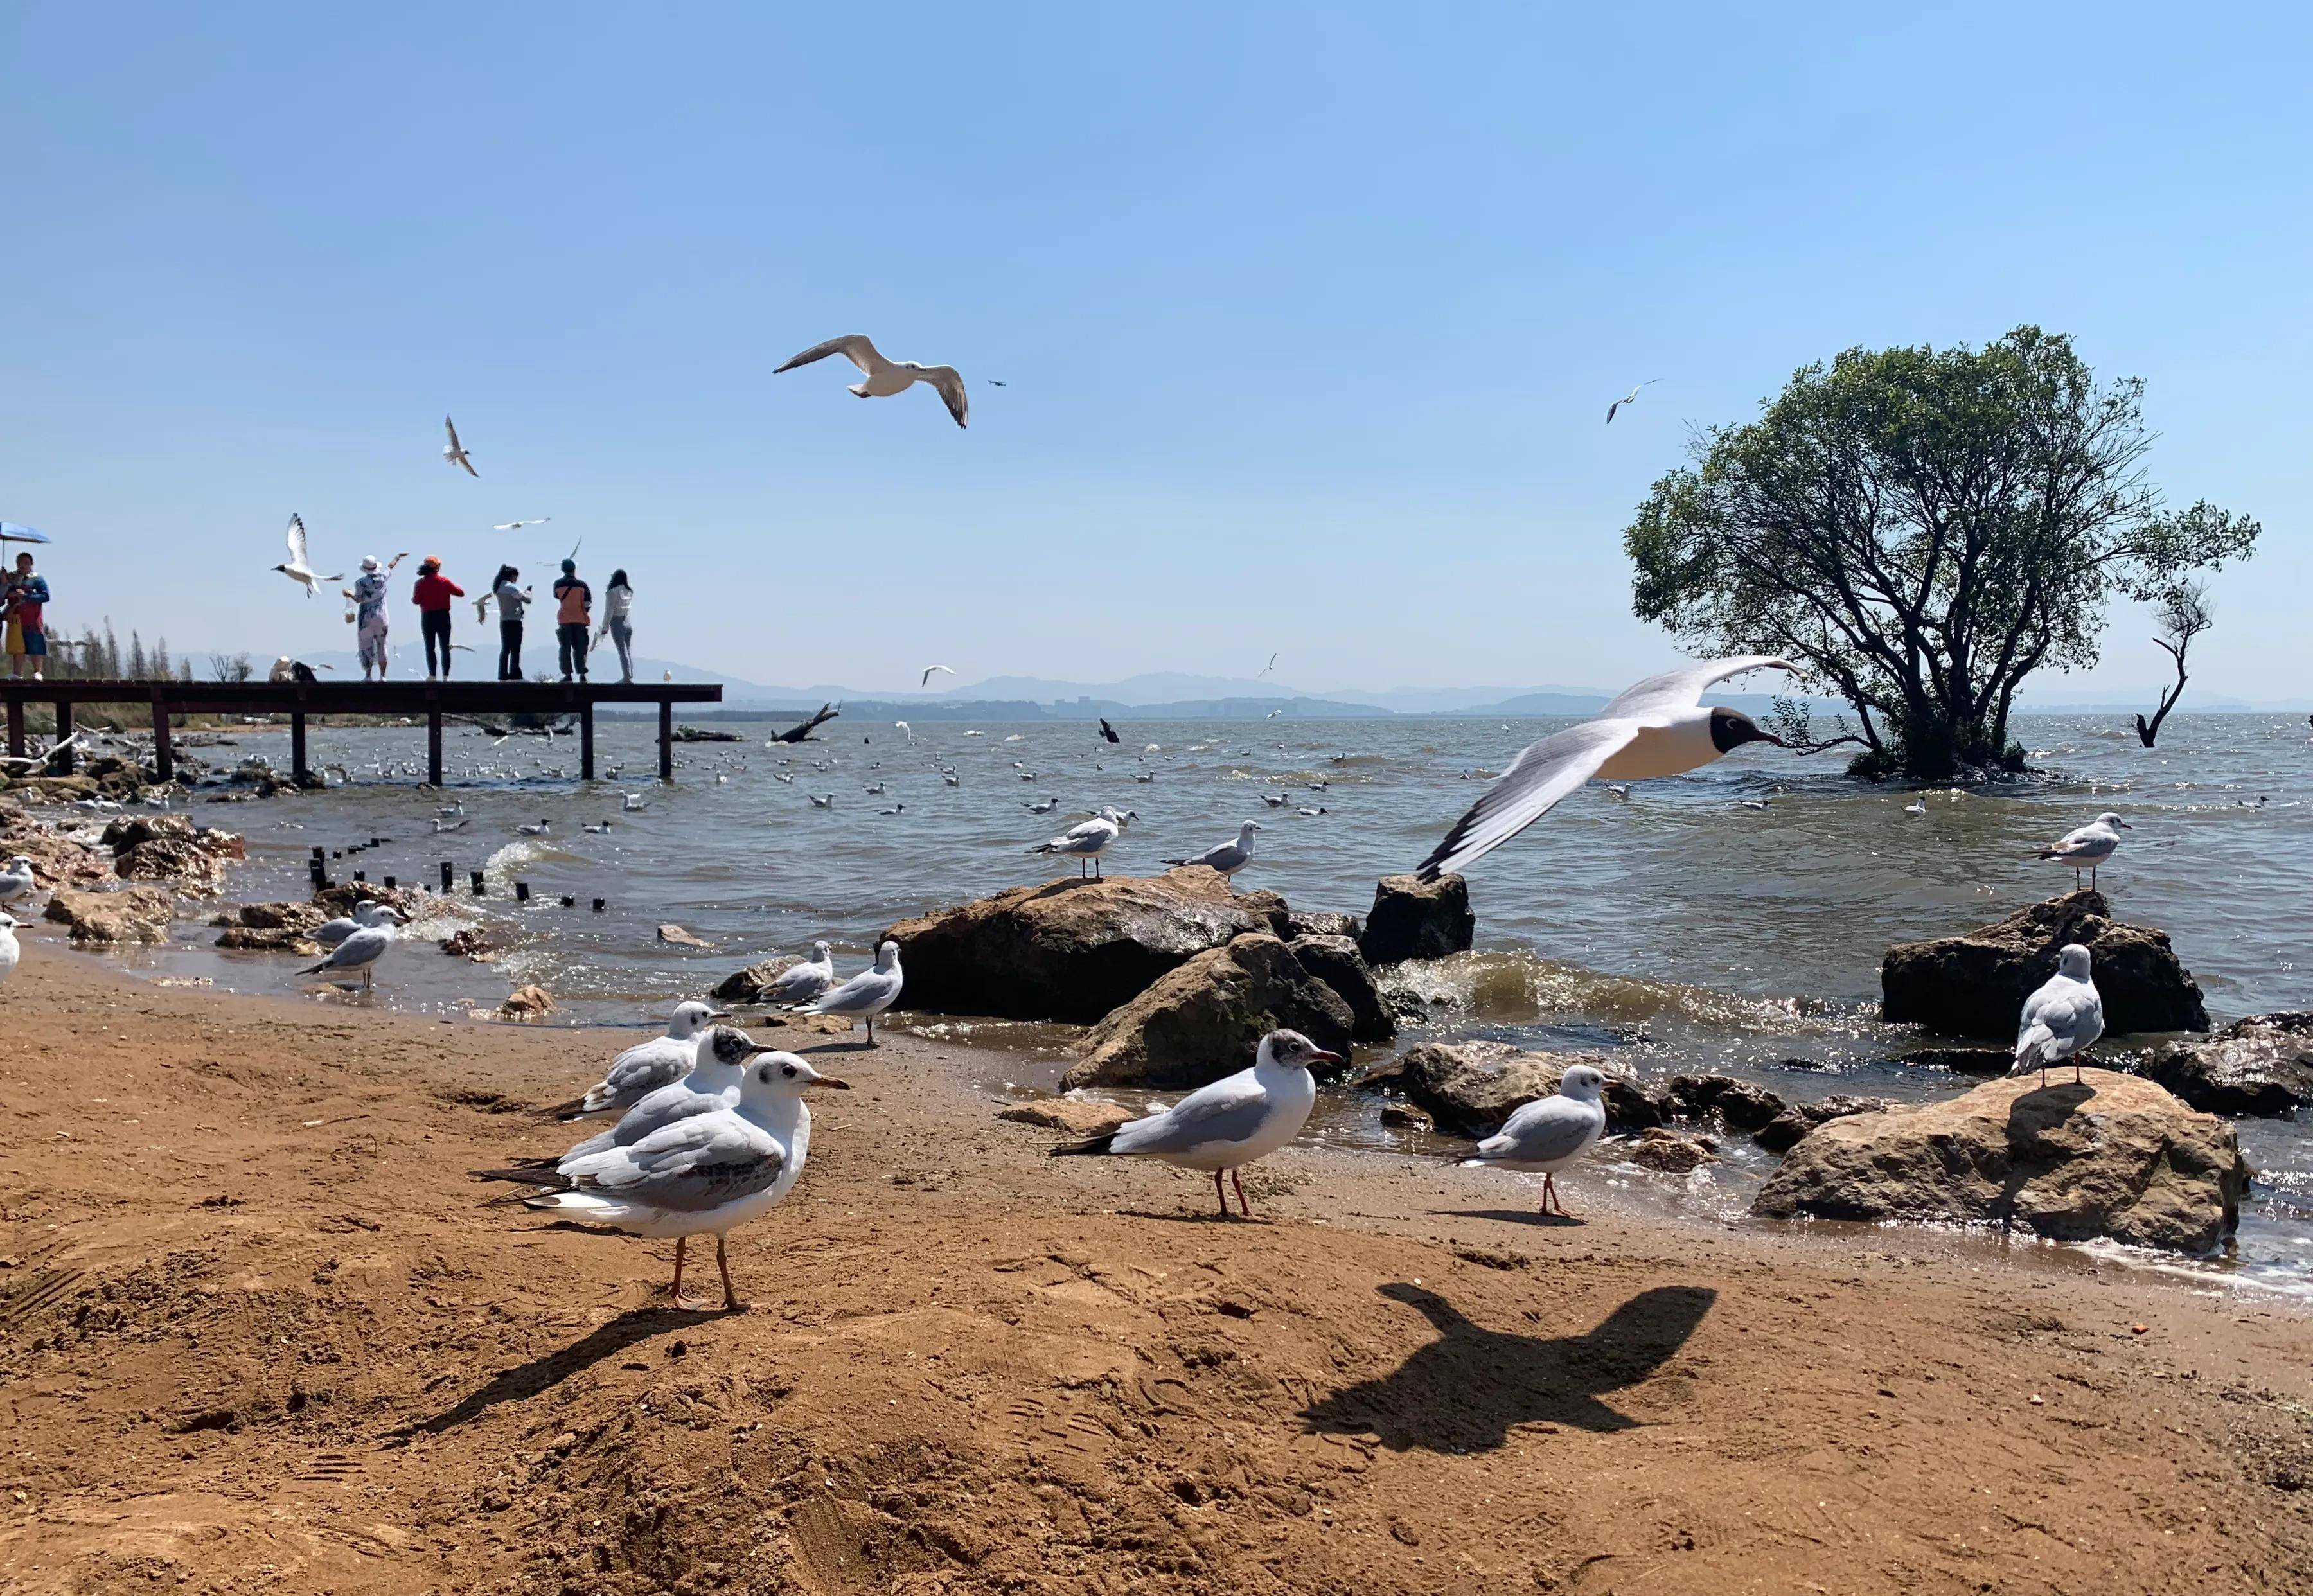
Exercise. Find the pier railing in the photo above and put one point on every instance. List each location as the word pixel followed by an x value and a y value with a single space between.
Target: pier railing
pixel 433 700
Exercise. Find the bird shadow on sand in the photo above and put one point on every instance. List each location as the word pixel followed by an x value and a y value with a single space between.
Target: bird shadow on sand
pixel 1190 1216
pixel 525 1380
pixel 1467 1389
pixel 1512 1216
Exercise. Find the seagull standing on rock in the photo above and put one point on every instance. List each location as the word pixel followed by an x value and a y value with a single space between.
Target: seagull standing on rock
pixel 1089 840
pixel 642 1069
pixel 867 994
pixel 1229 1124
pixel 2088 847
pixel 1658 727
pixel 1228 857
pixel 1548 1132
pixel 884 377
pixel 2060 1020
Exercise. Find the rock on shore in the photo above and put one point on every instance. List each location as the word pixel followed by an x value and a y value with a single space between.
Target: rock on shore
pixel 130 915
pixel 2261 1066
pixel 1203 1020
pixel 1468 1087
pixel 1975 984
pixel 1416 919
pixel 2115 1156
pixel 1069 949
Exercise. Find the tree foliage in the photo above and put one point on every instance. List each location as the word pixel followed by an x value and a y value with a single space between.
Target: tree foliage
pixel 1923 529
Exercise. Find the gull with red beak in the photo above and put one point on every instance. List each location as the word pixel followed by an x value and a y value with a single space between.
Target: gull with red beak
pixel 1229 1124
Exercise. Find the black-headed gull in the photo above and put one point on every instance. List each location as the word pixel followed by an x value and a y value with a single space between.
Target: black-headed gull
pixel 2087 847
pixel 1548 1132
pixel 299 567
pixel 643 1068
pixel 884 377
pixel 1089 840
pixel 1658 727
pixel 705 1175
pixel 453 451
pixel 867 994
pixel 1229 1124
pixel 2061 1018
pixel 1228 857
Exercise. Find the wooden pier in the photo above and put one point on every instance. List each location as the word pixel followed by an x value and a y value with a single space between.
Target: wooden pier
pixel 433 700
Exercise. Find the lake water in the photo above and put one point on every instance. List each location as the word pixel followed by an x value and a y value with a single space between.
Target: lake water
pixel 1675 927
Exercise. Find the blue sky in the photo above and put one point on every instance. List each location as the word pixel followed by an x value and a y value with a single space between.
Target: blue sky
pixel 1309 315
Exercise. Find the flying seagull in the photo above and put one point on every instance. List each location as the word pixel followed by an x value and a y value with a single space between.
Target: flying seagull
pixel 518 525
pixel 1630 398
pixel 929 671
pixel 1108 732
pixel 1264 670
pixel 453 451
pixel 299 567
pixel 1658 727
pixel 887 377
pixel 995 381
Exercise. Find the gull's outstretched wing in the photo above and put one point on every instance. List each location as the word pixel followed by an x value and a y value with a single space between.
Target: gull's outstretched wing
pixel 298 552
pixel 451 428
pixel 1542 775
pixel 1683 689
pixel 853 347
pixel 950 383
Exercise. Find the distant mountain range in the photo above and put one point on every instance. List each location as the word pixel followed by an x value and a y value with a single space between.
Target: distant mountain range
pixel 1171 695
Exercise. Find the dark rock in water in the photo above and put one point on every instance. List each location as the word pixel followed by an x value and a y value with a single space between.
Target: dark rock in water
pixel 1071 949
pixel 1416 919
pixel 1203 1020
pixel 1322 922
pixel 1470 1087
pixel 1960 1060
pixel 1744 1107
pixel 1975 984
pixel 1336 962
pixel 753 983
pixel 1665 1151
pixel 468 943
pixel 2115 1156
pixel 1406 1117
pixel 1788 1129
pixel 2261 1066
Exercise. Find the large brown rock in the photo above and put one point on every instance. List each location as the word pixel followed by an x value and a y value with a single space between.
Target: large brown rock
pixel 284 916
pixel 273 939
pixel 1203 1020
pixel 1336 962
pixel 1470 1087
pixel 2262 1066
pixel 131 914
pixel 1416 919
pixel 1975 984
pixel 2115 1156
pixel 1071 949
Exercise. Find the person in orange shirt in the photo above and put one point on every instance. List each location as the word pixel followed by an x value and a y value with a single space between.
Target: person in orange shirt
pixel 574 613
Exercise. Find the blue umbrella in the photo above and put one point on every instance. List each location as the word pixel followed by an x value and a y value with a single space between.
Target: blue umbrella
pixel 14 531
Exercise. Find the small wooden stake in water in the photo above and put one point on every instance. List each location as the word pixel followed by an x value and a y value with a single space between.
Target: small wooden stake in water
pixel 598 905
pixel 521 892
pixel 569 902
pixel 389 884
pixel 448 875
pixel 361 875
pixel 477 875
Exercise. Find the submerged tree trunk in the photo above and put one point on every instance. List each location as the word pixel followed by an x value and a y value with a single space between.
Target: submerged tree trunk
pixel 2147 730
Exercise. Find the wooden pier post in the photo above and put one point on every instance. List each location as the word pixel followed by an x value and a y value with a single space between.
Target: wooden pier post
pixel 64 732
pixel 666 739
pixel 587 741
pixel 297 745
pixel 434 740
pixel 16 728
pixel 164 763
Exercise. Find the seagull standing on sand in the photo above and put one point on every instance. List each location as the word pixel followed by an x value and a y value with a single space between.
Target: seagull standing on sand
pixel 2088 847
pixel 1548 1132
pixel 865 995
pixel 17 881
pixel 299 566
pixel 1228 857
pixel 1089 840
pixel 643 1068
pixel 2061 1018
pixel 453 451
pixel 9 952
pixel 887 377
pixel 803 981
pixel 1229 1124
pixel 361 950
pixel 1630 398
pixel 1658 727
pixel 700 1176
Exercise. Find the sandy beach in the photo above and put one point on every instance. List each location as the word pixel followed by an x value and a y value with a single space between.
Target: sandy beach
pixel 260 1332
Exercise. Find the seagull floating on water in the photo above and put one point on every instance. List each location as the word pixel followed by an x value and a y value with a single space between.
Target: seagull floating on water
pixel 2061 1018
pixel 884 377
pixel 1229 1124
pixel 299 567
pixel 1658 727
pixel 633 803
pixel 2087 847
pixel 454 452
pixel 539 829
pixel 1548 1132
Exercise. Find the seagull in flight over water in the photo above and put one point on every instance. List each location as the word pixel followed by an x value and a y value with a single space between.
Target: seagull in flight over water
pixel 453 451
pixel 1658 727
pixel 518 525
pixel 299 566
pixel 1630 398
pixel 887 377
pixel 928 672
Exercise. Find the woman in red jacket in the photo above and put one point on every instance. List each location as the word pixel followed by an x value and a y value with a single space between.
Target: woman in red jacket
pixel 434 592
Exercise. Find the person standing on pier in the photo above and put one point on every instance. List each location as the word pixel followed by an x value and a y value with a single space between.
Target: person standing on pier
pixel 618 600
pixel 432 595
pixel 368 594
pixel 512 601
pixel 574 615
pixel 24 607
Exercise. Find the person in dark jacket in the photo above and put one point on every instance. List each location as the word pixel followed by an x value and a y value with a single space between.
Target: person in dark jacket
pixel 512 601
pixel 573 615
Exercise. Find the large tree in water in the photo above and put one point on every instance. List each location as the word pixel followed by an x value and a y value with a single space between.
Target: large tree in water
pixel 1923 529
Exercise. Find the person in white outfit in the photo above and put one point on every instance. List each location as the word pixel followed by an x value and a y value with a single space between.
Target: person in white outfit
pixel 369 623
pixel 617 603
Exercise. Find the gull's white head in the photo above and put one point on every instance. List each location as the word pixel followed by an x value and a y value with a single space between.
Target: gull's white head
pixel 1245 833
pixel 821 953
pixel 688 1016
pixel 22 861
pixel 2114 822
pixel 1291 1050
pixel 1582 1083
pixel 2073 962
pixel 783 1075
pixel 887 957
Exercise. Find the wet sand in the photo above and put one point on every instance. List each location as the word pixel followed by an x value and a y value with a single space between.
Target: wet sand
pixel 257 1331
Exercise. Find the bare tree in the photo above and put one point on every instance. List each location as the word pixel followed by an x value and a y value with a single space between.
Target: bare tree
pixel 230 667
pixel 2184 616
